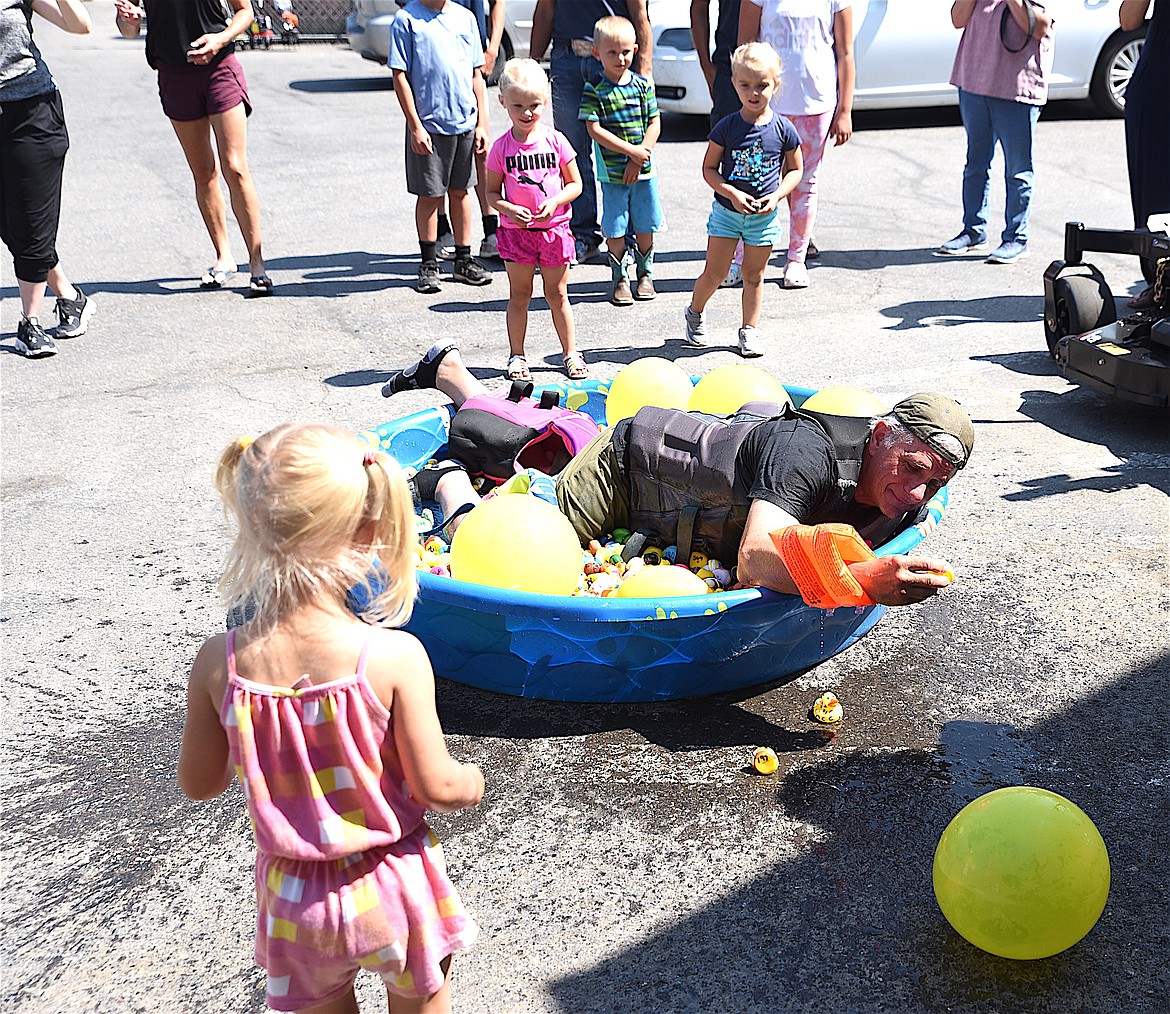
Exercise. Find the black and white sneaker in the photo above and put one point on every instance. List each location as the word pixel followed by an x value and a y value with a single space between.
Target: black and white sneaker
pixel 428 278
pixel 471 272
pixel 73 315
pixel 31 340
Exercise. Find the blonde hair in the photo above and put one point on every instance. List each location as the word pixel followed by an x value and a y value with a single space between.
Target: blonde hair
pixel 526 75
pixel 299 496
pixel 612 29
pixel 756 56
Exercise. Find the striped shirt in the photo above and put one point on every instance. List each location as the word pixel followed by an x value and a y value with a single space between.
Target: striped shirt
pixel 624 110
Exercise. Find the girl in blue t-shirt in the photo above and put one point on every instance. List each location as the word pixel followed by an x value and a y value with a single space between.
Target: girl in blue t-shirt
pixel 753 162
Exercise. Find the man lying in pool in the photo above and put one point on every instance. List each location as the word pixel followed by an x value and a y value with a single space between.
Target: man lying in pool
pixel 784 494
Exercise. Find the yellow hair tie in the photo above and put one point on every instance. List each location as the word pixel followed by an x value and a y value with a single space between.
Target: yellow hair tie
pixel 243 443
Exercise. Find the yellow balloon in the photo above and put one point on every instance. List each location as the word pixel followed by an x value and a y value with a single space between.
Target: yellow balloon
pixel 647 381
pixel 726 389
pixel 1021 872
pixel 662 582
pixel 845 400
pixel 518 542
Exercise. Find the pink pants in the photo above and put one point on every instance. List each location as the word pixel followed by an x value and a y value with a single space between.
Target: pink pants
pixel 814 135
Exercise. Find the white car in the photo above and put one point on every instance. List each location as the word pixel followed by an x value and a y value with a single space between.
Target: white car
pixel 904 51
pixel 368 30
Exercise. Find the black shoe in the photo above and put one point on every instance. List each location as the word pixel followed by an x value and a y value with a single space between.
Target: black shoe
pixel 32 341
pixel 428 277
pixel 470 271
pixel 73 315
pixel 421 375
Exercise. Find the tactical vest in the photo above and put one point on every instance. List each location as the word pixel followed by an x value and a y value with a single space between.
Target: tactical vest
pixel 680 468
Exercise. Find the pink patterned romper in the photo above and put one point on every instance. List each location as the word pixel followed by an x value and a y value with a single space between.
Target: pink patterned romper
pixel 348 874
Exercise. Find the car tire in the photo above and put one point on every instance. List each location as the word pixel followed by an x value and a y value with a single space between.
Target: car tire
pixel 1115 67
pixel 1080 303
pixel 502 57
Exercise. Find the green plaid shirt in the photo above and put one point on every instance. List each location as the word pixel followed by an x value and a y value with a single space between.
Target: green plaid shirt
pixel 624 110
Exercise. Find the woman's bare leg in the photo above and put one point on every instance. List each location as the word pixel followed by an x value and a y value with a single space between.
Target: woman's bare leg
pixel 195 138
pixel 231 137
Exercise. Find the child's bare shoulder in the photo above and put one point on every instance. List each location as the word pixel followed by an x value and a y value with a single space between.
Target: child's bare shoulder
pixel 394 656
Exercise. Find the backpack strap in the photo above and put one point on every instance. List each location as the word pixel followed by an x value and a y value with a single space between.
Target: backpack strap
pixel 550 400
pixel 685 534
pixel 519 390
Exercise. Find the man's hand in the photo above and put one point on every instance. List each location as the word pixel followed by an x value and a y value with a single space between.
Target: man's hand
pixel 900 580
pixel 420 142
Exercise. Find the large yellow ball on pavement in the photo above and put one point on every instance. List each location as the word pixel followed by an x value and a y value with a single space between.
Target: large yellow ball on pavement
pixel 845 400
pixel 726 389
pixel 647 381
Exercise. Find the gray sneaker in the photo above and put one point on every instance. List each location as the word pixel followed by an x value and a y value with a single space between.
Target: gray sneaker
pixel 31 340
pixel 964 243
pixel 446 247
pixel 749 343
pixel 694 322
pixel 73 315
pixel 469 271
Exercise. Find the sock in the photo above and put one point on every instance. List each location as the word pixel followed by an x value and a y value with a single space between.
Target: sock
pixel 444 226
pixel 489 225
pixel 428 249
pixel 421 375
pixel 462 253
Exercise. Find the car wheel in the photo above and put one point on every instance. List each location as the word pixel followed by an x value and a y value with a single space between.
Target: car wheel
pixel 502 57
pixel 1080 303
pixel 1114 68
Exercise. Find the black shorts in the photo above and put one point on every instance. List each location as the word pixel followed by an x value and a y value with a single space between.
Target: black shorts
pixel 450 166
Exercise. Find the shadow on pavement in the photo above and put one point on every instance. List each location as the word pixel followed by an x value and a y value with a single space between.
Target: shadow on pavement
pixel 950 312
pixel 853 915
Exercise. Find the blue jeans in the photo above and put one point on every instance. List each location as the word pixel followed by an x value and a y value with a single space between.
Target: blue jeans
pixel 1012 125
pixel 568 76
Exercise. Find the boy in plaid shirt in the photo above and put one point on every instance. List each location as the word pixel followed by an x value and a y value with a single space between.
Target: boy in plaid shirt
pixel 621 116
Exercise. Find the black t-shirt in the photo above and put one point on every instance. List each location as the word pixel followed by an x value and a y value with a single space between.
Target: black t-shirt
pixel 172 25
pixel 574 19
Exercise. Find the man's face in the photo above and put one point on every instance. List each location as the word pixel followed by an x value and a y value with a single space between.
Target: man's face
pixel 900 476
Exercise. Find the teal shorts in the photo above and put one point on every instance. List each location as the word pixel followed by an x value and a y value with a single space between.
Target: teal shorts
pixel 754 230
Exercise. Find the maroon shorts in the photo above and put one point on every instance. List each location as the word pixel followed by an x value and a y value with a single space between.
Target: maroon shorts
pixel 191 92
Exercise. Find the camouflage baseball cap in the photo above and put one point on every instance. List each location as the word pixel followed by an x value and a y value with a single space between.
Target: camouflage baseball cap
pixel 929 415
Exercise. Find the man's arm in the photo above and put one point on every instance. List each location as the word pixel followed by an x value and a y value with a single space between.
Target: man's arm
pixel 749 22
pixel 542 28
pixel 701 37
pixel 1132 14
pixel 495 36
pixel 644 58
pixel 759 562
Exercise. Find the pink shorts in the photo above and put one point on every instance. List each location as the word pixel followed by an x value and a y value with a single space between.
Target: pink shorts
pixel 190 92
pixel 552 247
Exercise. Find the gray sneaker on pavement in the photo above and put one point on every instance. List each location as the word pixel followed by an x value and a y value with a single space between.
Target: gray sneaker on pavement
pixel 31 340
pixel 73 315
pixel 428 277
pixel 694 322
pixel 749 343
pixel 965 243
pixel 469 271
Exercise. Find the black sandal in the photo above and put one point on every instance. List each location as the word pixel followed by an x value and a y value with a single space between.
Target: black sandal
pixel 421 375
pixel 259 285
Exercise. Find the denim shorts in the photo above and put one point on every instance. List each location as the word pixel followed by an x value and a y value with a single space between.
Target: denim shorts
pixel 754 230
pixel 629 207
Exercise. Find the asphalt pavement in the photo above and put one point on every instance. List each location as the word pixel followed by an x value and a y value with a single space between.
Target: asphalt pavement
pixel 625 857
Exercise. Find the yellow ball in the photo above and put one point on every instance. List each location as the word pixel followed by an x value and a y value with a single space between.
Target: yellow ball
pixel 845 400
pixel 662 582
pixel 1021 872
pixel 647 381
pixel 726 389
pixel 517 542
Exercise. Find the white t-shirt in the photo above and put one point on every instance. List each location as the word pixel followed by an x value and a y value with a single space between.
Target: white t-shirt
pixel 801 31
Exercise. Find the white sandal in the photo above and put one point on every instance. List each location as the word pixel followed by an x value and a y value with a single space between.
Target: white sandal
pixel 517 369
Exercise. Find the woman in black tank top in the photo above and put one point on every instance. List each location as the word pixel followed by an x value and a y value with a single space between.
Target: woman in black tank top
pixel 205 96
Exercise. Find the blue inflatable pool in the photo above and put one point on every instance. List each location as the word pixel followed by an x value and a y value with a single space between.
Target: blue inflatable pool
pixel 565 648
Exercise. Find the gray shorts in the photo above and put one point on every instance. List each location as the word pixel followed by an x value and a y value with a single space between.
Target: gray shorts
pixel 450 166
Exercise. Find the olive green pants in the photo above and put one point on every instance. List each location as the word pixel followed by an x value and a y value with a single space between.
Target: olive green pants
pixel 592 492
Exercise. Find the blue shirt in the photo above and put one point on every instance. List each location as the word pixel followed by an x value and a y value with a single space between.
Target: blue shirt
pixel 753 153
pixel 439 51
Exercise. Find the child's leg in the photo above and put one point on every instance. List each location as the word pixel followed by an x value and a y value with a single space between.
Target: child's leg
pixel 755 261
pixel 519 296
pixel 461 210
pixel 802 202
pixel 556 291
pixel 436 1003
pixel 720 250
pixel 426 218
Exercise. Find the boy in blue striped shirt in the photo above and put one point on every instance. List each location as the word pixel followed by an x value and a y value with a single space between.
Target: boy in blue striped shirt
pixel 621 116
